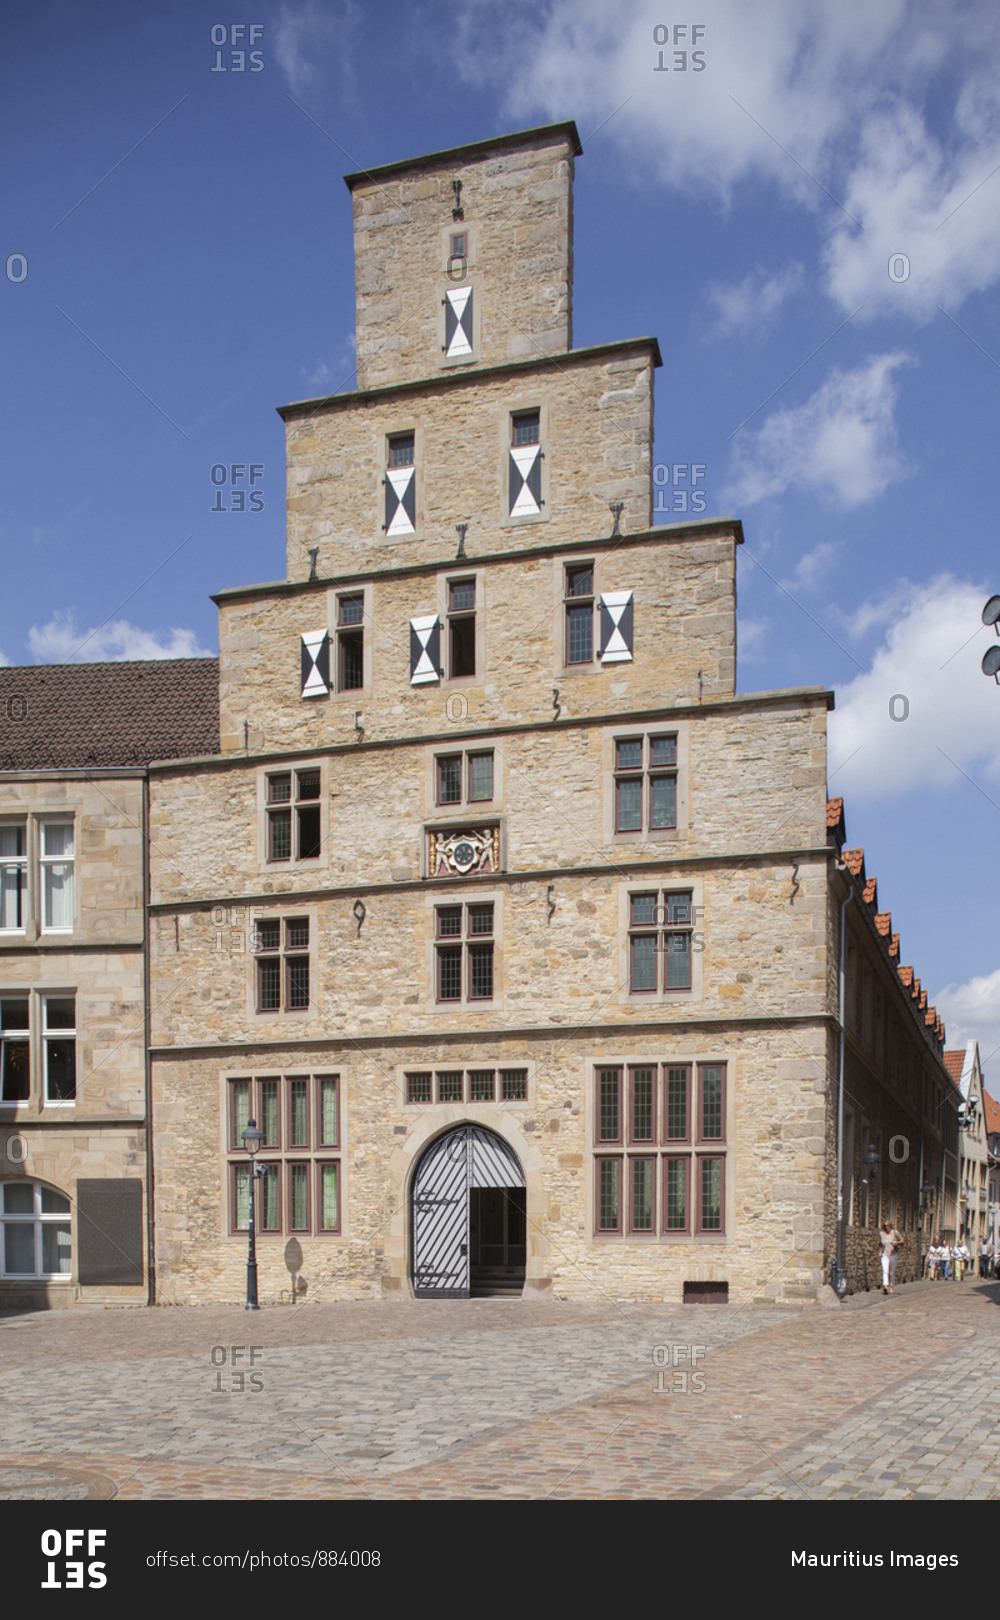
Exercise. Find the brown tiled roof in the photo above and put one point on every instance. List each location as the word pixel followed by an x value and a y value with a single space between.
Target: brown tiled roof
pixel 894 945
pixel 871 892
pixel 834 812
pixel 992 1108
pixel 906 974
pixel 954 1062
pixel 854 860
pixel 883 922
pixel 74 716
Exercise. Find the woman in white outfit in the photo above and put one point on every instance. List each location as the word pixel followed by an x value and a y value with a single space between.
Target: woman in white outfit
pixel 890 1242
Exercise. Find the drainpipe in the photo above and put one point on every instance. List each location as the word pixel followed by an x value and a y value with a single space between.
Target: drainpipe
pixel 920 1188
pixel 146 1040
pixel 838 1275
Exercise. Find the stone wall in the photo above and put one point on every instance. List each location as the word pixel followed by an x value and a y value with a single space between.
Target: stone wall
pixel 596 409
pixel 517 208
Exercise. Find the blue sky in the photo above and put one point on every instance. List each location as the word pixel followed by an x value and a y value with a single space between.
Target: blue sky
pixel 805 216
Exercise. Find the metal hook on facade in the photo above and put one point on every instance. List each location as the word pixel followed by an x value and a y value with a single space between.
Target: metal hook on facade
pixel 313 554
pixel 617 507
pixel 456 213
pixel 461 528
pixel 361 913
pixel 549 901
pixel 796 885
pixel 359 728
pixel 555 703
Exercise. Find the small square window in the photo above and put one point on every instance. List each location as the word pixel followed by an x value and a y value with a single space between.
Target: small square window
pixel 481 1085
pixel 401 450
pixel 268 936
pixel 449 920
pixel 628 754
pixel 461 595
pixel 526 427
pixel 458 248
pixel 351 610
pixel 418 1088
pixel 279 788
pixel 450 1087
pixel 580 581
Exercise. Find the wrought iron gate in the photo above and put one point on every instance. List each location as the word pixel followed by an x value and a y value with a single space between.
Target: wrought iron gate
pixel 463 1158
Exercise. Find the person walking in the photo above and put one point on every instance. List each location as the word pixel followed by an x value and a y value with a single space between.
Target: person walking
pixel 962 1259
pixel 890 1243
pixel 933 1261
pixel 985 1257
pixel 944 1252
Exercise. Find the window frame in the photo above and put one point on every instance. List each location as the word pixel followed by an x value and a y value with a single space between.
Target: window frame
pixel 47 863
pixel 465 756
pixel 268 808
pixel 347 633
pixel 466 942
pixel 286 954
pixel 690 1152
pixel 282 1157
pixel 502 1077
pixel 16 1036
pixel 19 865
pixel 49 1036
pixel 37 1220
pixel 660 930
pixel 576 600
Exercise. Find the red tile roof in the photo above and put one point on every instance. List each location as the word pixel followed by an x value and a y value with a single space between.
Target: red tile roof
pixel 894 945
pixel 854 860
pixel 871 892
pixel 883 922
pixel 75 716
pixel 954 1062
pixel 906 974
pixel 992 1108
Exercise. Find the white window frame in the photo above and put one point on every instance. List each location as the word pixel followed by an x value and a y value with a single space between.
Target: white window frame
pixel 48 861
pixel 37 1220
pixel 19 864
pixel 48 1035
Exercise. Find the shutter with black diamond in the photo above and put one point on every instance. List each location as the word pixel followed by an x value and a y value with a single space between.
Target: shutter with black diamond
pixel 525 480
pixel 316 663
pixel 400 500
pixel 616 627
pixel 457 322
pixel 425 650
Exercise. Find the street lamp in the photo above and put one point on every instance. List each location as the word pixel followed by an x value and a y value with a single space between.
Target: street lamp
pixel 991 657
pixel 253 1139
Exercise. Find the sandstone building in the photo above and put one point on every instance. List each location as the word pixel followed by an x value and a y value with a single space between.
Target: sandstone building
pixel 513 926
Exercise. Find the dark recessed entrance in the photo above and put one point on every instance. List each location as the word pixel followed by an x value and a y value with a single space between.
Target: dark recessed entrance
pixel 497 1246
pixel 467 1204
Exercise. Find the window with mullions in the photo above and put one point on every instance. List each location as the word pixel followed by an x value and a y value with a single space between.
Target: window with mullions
pixel 281 951
pixel 464 778
pixel 467 1086
pixel 350 643
pixel 526 427
pixel 645 783
pixel 668 1121
pixel 293 816
pixel 299 1117
pixel 464 950
pixel 13 877
pixel 659 941
pixel 579 610
pixel 36 1226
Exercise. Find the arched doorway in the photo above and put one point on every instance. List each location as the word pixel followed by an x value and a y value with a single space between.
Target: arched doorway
pixel 468 1217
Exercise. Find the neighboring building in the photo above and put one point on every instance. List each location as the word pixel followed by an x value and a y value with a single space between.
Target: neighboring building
pixel 514 927
pixel 991 1108
pixel 74 744
pixel 973 1149
pixel 900 1101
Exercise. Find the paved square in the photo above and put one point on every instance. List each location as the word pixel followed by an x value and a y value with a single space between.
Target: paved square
pixel 880 1397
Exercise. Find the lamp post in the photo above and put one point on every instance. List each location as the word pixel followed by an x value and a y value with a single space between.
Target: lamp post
pixel 252 1140
pixel 926 1198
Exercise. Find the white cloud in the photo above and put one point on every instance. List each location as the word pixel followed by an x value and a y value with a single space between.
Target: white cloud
pixel 4 660
pixel 888 111
pixel 927 667
pixel 971 1012
pixel 325 377
pixel 748 305
pixel 61 641
pixel 752 637
pixel 841 442
pixel 813 567
pixel 305 32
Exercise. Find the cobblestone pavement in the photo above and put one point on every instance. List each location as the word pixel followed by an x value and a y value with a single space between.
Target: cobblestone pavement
pixel 501 1398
